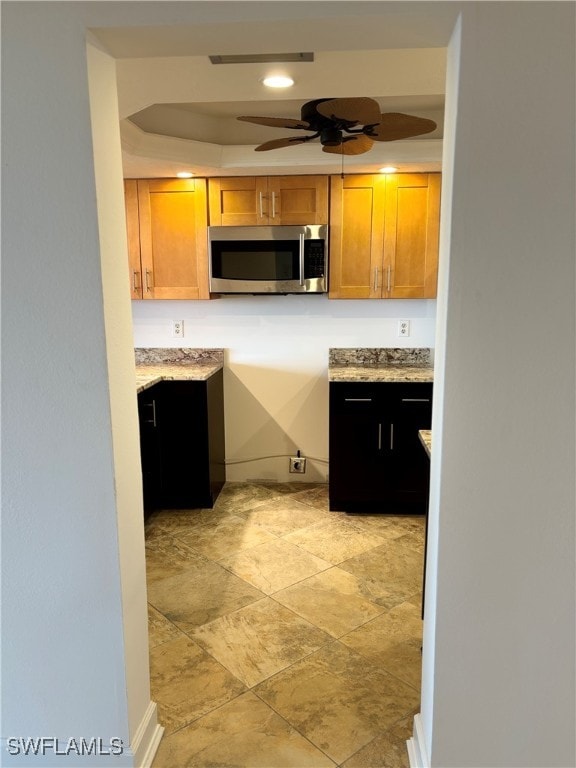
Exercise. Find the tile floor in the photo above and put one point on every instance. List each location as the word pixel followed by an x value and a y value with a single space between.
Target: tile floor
pixel 283 635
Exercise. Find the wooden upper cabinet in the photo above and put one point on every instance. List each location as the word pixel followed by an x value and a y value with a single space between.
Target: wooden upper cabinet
pixel 172 228
pixel 259 200
pixel 356 236
pixel 384 236
pixel 411 231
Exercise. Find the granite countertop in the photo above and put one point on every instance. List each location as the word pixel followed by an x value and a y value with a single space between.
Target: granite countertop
pixel 173 364
pixel 381 364
pixel 425 436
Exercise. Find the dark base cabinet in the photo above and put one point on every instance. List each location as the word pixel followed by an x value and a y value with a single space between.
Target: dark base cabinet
pixel 182 443
pixel 377 463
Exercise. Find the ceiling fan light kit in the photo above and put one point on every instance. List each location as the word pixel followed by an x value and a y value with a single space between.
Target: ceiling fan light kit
pixel 344 126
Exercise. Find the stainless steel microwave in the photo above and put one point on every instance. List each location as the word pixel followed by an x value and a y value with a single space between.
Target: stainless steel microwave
pixel 277 259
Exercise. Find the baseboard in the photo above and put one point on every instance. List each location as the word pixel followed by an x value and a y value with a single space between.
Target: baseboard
pixel 147 738
pixel 417 753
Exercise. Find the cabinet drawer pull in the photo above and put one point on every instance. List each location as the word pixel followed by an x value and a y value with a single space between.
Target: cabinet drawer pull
pixel 273 205
pixel 136 286
pixel 148 272
pixel 375 278
pixel 261 209
pixel 415 399
pixel 391 437
pixel 379 437
pixel 389 269
pixel 357 399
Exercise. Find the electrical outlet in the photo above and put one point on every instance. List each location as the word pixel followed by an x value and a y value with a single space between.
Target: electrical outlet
pixel 403 327
pixel 178 329
pixel 298 465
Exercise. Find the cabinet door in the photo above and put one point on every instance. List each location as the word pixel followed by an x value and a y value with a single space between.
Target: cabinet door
pixel 411 235
pixel 236 202
pixel 133 233
pixel 173 238
pixel 150 455
pixel 410 409
pixel 298 200
pixel 356 236
pixel 359 447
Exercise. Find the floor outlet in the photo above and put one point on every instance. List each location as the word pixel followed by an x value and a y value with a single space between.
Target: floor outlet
pixel 178 329
pixel 403 327
pixel 298 465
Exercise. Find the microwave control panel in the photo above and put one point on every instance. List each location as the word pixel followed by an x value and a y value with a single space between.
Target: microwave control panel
pixel 314 259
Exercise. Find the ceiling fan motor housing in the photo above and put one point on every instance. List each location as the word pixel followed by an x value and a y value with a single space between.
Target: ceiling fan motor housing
pixel 331 137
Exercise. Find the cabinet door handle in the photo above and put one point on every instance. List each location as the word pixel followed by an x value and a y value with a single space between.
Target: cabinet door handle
pixel 153 419
pixel 261 208
pixel 379 437
pixel 389 270
pixel 273 205
pixel 415 399
pixel 301 258
pixel 136 286
pixel 357 399
pixel 391 437
pixel 375 278
pixel 148 272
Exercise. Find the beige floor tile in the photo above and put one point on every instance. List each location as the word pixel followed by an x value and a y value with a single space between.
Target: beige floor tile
pixel 390 526
pixel 167 556
pixel 338 700
pixel 390 574
pixel 387 750
pixel 316 496
pixel 239 497
pixel 281 516
pixel 332 600
pixel 172 521
pixel 245 733
pixel 335 540
pixel 200 595
pixel 273 566
pixel 259 640
pixel 186 682
pixel 225 536
pixel 160 630
pixel 392 641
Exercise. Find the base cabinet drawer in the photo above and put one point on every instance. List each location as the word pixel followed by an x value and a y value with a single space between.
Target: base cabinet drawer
pixel 376 460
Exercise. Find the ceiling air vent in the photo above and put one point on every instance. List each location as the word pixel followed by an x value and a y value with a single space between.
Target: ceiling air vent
pixel 261 58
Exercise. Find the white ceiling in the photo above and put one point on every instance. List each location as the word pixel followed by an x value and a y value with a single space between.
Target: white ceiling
pixel 178 110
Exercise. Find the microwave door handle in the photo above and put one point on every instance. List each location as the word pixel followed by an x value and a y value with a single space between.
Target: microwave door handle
pixel 301 238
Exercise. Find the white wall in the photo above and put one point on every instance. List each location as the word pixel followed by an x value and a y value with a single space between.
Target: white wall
pixel 499 661
pixel 276 365
pixel 74 623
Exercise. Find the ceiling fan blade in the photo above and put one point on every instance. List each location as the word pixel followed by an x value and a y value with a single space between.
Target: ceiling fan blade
pixel 395 125
pixel 279 143
pixel 360 110
pixel 276 122
pixel 352 145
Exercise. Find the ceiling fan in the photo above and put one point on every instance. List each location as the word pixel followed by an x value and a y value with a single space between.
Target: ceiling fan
pixel 344 126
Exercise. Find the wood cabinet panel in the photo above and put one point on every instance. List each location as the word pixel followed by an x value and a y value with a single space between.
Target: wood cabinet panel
pixel 411 235
pixel 169 230
pixel 384 236
pixel 259 200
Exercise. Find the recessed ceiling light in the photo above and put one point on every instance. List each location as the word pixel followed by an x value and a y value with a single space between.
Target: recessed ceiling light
pixel 278 81
pixel 388 169
pixel 184 175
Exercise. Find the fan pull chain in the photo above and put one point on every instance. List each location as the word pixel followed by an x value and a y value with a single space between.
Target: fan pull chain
pixel 342 160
